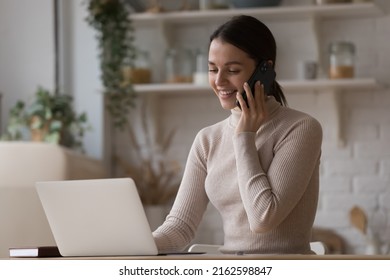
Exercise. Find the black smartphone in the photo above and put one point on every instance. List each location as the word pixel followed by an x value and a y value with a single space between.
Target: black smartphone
pixel 264 73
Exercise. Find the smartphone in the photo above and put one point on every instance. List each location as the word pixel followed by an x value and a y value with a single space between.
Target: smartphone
pixel 264 73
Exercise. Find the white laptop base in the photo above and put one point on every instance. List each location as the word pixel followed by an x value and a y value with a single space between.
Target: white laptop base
pixel 102 217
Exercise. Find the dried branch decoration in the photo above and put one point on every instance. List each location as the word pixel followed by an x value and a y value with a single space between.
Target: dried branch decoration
pixel 156 177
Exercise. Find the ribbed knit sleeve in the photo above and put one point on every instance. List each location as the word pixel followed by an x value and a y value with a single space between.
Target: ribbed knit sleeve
pixel 190 203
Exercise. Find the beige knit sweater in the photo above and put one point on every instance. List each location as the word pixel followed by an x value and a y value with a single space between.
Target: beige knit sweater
pixel 264 185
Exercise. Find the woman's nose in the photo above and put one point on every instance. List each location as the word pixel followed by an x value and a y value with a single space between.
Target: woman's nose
pixel 220 79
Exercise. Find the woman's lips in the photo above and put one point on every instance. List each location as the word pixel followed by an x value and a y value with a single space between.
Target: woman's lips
pixel 227 93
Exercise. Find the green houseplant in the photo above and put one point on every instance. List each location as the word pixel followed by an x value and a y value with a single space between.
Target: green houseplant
pixel 49 118
pixel 111 20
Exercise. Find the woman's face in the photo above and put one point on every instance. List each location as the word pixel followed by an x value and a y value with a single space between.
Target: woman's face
pixel 229 69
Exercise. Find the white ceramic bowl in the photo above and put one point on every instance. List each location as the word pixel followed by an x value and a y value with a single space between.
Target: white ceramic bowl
pixel 255 3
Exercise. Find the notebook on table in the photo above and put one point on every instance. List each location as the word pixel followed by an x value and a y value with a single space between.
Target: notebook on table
pixel 100 217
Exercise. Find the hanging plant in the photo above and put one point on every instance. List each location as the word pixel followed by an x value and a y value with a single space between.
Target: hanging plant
pixel 111 19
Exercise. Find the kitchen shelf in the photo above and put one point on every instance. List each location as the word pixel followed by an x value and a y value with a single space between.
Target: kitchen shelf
pixel 357 84
pixel 352 10
pixel 331 89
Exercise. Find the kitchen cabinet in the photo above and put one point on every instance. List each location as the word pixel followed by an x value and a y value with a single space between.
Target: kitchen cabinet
pixel 313 14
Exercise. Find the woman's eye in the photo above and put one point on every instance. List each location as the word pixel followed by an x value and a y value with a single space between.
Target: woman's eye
pixel 213 70
pixel 233 71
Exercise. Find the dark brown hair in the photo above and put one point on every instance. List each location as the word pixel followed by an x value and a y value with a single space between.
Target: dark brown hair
pixel 253 37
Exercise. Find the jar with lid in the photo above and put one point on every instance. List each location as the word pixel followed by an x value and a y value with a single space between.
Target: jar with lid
pixel 179 66
pixel 341 60
pixel 139 72
pixel 201 75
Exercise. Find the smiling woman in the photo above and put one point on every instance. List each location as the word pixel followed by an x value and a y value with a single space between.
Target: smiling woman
pixel 259 167
pixel 227 77
pixel 244 52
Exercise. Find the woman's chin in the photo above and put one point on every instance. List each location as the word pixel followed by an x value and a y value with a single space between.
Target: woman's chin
pixel 228 105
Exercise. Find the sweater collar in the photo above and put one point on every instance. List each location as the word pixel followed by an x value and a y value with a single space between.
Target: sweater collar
pixel 271 104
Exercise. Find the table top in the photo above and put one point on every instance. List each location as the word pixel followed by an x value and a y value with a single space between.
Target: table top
pixel 226 257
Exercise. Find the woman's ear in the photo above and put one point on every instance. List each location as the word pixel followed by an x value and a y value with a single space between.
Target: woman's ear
pixel 271 62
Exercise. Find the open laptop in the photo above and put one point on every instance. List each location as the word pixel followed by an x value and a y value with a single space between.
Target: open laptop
pixel 100 217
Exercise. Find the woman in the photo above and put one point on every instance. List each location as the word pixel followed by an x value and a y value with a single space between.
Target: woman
pixel 259 167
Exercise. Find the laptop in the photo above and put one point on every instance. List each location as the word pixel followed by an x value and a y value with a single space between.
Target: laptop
pixel 99 217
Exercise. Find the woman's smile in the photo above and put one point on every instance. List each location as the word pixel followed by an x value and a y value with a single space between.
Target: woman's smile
pixel 227 93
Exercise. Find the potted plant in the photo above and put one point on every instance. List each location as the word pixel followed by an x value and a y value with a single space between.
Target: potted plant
pixel 49 118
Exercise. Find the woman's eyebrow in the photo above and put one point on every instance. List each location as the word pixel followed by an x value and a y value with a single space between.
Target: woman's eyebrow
pixel 228 63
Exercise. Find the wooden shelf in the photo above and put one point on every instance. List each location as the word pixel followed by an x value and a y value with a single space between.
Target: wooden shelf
pixel 357 84
pixel 354 10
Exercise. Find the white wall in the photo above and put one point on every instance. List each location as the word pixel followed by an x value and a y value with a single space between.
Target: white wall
pixel 81 73
pixel 26 50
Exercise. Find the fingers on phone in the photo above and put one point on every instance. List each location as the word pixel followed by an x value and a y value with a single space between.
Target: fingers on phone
pixel 249 94
pixel 240 100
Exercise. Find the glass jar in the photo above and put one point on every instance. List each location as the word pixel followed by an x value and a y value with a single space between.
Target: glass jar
pixel 179 66
pixel 139 72
pixel 201 75
pixel 341 60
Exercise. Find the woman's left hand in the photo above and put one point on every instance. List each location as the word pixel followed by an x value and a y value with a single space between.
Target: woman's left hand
pixel 252 117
